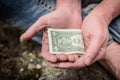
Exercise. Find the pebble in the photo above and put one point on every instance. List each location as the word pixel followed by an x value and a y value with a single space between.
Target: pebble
pixel 22 69
pixel 31 66
pixel 32 55
pixel 31 60
pixel 38 66
pixel 42 78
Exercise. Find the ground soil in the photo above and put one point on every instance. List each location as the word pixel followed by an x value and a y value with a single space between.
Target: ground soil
pixel 23 61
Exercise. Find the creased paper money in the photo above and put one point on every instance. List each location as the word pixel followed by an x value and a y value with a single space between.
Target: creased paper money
pixel 65 41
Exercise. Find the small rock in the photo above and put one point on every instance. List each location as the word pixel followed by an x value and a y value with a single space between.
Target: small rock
pixel 37 75
pixel 31 66
pixel 58 73
pixel 31 60
pixel 32 55
pixel 38 66
pixel 22 69
pixel 24 53
pixel 42 78
pixel 40 54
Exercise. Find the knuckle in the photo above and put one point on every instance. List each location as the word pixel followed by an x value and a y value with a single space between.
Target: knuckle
pixel 35 30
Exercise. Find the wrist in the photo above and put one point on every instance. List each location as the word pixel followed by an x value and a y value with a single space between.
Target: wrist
pixel 107 10
pixel 71 5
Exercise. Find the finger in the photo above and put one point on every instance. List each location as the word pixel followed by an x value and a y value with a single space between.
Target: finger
pixel 92 50
pixel 63 65
pixel 34 29
pixel 67 65
pixel 77 64
pixel 71 58
pixel 54 65
pixel 100 55
pixel 67 57
pixel 76 57
pixel 45 49
pixel 62 57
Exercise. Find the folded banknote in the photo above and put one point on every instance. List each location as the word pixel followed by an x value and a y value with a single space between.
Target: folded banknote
pixel 65 41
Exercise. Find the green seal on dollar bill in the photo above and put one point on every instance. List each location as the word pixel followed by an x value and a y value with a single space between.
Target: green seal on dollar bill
pixel 65 41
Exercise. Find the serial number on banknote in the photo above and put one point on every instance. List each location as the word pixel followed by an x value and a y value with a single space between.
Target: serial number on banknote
pixel 65 41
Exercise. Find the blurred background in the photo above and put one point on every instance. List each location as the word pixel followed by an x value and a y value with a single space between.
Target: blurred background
pixel 23 61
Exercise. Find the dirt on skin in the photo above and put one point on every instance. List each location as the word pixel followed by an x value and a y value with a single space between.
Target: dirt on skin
pixel 23 61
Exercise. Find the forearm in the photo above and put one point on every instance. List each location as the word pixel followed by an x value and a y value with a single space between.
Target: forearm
pixel 108 9
pixel 73 5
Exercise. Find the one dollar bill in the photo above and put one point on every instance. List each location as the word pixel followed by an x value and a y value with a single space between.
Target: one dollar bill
pixel 65 41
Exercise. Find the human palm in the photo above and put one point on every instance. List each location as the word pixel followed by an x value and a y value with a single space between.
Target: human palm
pixel 61 19
pixel 95 34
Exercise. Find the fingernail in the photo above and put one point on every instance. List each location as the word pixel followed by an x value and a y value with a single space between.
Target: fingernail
pixel 53 59
pixel 88 61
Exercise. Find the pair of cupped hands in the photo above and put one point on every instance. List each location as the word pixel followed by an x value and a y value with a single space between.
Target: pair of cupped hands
pixel 94 30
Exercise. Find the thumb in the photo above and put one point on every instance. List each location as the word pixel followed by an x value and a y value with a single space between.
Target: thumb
pixel 34 29
pixel 92 50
